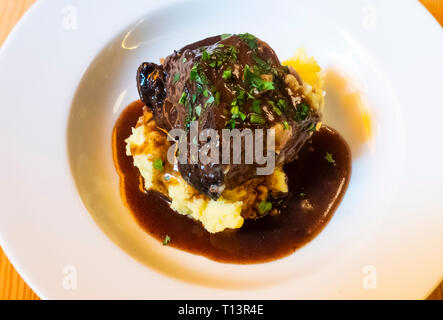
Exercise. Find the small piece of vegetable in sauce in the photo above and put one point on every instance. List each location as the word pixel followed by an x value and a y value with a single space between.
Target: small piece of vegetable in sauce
pixel 158 164
pixel 166 240
pixel 264 206
pixel 329 158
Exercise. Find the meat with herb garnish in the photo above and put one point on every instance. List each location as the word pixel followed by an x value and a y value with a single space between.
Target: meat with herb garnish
pixel 234 82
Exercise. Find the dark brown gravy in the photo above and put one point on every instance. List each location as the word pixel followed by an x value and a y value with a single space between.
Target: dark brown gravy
pixel 316 186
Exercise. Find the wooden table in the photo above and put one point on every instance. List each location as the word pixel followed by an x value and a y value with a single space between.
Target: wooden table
pixel 11 285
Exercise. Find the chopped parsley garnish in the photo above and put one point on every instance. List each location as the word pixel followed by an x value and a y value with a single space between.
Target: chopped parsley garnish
pixel 201 79
pixel 255 81
pixel 227 74
pixel 206 93
pixel 166 240
pixel 256 118
pixel 301 112
pixel 233 52
pixel 183 98
pixel 256 106
pixel 194 97
pixel 210 100
pixel 264 206
pixel 241 95
pixel 176 77
pixel 194 73
pixel 275 108
pixel 250 40
pixel 231 124
pixel 282 104
pixel 195 76
pixel 285 125
pixel 205 55
pixel 238 100
pixel 250 96
pixel 198 110
pixel 236 113
pixel 329 158
pixel 158 164
pixel 262 65
pixel 225 36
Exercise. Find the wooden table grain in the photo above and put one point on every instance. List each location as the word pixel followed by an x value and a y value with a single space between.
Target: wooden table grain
pixel 12 287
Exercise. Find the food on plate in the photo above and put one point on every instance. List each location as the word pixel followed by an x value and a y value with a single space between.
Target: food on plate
pixel 232 82
pixel 229 83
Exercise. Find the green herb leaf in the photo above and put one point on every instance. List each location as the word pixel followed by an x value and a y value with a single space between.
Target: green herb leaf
pixel 264 206
pixel 256 118
pixel 166 240
pixel 201 79
pixel 183 98
pixel 285 125
pixel 158 164
pixel 241 95
pixel 329 158
pixel 256 106
pixel 194 73
pixel 275 108
pixel 250 40
pixel 233 52
pixel 176 77
pixel 282 104
pixel 235 112
pixel 205 55
pixel 227 74
pixel 210 100
pixel 262 65
pixel 198 110
pixel 255 81
pixel 225 35
pixel 301 112
pixel 230 124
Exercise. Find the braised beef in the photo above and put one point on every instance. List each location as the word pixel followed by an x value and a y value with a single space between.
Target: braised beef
pixel 227 81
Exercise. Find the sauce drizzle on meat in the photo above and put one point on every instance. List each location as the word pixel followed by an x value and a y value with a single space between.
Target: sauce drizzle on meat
pixel 316 188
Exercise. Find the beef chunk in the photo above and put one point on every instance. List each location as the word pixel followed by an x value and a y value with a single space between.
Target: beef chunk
pixel 228 81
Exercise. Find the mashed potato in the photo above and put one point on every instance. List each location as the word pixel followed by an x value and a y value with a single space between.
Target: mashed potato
pixel 148 146
pixel 309 70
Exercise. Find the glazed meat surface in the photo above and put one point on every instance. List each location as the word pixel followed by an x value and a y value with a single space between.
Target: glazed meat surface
pixel 227 82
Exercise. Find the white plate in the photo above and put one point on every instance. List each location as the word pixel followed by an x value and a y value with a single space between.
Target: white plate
pixel 68 69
